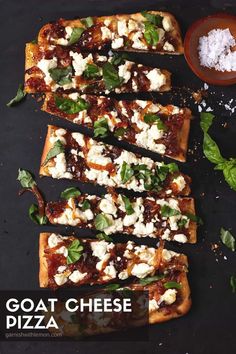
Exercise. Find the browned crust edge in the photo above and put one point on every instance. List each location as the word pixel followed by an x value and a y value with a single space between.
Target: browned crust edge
pixel 192 225
pixel 176 33
pixel 47 146
pixel 43 266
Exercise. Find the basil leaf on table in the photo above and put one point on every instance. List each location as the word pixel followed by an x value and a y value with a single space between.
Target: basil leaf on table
pixel 101 222
pixel 57 148
pixel 233 283
pixel 154 19
pixel 126 172
pixel 75 35
pixel 101 128
pixel 227 238
pixel 35 217
pixel 110 76
pixel 75 251
pixel 229 172
pixel 61 76
pixel 70 106
pixel 26 179
pixel 206 121
pixel 103 236
pixel 87 22
pixel 128 205
pixel 86 205
pixel 149 280
pixel 172 284
pixel 20 94
pixel 71 192
pixel 211 150
pixel 150 34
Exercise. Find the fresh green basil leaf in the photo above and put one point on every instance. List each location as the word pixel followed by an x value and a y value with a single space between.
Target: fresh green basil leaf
pixel 101 222
pixel 60 74
pixel 34 41
pixel 20 94
pixel 128 205
pixel 75 35
pixel 172 284
pixel 181 223
pixel 167 211
pixel 35 217
pixel 119 132
pixel 103 236
pixel 87 22
pixel 118 59
pixel 194 218
pixel 206 121
pixel 153 118
pixel 211 150
pixel 112 287
pixel 229 172
pixel 172 167
pixel 91 71
pixel 149 280
pixel 57 148
pixel 71 192
pixel 75 251
pixel 150 34
pixel 233 283
pixel 26 179
pixel 70 106
pixel 110 76
pixel 101 127
pixel 126 172
pixel 227 238
pixel 154 19
pixel 86 205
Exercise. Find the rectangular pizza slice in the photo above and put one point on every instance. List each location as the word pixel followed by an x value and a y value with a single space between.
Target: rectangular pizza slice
pixel 156 299
pixel 161 129
pixel 75 156
pixel 152 31
pixel 171 219
pixel 69 261
pixel 55 68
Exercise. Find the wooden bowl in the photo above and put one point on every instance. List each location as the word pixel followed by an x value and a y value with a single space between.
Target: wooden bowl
pixel 191 42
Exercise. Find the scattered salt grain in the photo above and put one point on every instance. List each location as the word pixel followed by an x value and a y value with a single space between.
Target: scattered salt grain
pixel 215 50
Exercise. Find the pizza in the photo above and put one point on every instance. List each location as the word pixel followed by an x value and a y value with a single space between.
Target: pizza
pixel 161 129
pixel 75 156
pixel 171 219
pixel 68 261
pixel 152 31
pixel 168 298
pixel 56 69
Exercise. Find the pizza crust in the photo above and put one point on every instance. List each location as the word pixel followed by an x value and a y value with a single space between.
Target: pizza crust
pixel 43 171
pixel 43 266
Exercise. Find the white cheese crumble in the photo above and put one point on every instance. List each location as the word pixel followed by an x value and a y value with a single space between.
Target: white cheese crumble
pixel 167 24
pixel 180 238
pixel 156 78
pixel 45 65
pixel 79 138
pixel 79 62
pixel 137 41
pixel 122 28
pixel 59 169
pixel 53 240
pixel 77 276
pixel 124 70
pixel 142 270
pixel 106 33
pixel 168 255
pixel 153 305
pixel 117 43
pixel 168 47
pixel 169 296
pixel 61 278
pixel 180 181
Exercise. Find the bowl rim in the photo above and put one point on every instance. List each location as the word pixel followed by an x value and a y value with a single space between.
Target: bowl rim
pixel 188 57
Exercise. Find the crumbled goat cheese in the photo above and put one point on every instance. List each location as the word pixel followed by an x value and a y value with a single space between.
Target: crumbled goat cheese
pixel 169 296
pixel 156 78
pixel 124 71
pixel 180 238
pixel 168 47
pixel 79 62
pixel 141 270
pixel 77 276
pixel 167 24
pixel 117 43
pixel 45 65
pixel 122 28
pixel 137 42
pixel 106 33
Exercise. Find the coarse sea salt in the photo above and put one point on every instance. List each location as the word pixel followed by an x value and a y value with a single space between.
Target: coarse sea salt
pixel 215 50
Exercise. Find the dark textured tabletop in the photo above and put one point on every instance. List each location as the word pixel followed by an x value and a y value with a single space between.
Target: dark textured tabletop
pixel 209 328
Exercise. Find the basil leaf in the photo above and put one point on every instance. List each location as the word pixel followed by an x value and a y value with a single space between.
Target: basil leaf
pixel 101 127
pixel 118 59
pixel 20 94
pixel 35 217
pixel 233 283
pixel 71 192
pixel 103 236
pixel 154 19
pixel 75 251
pixel 150 280
pixel 172 284
pixel 70 106
pixel 126 172
pixel 86 205
pixel 227 238
pixel 75 35
pixel 128 206
pixel 60 75
pixel 91 71
pixel 119 132
pixel 150 34
pixel 26 179
pixel 194 218
pixel 172 167
pixel 87 22
pixel 112 287
pixel 57 148
pixel 110 76
pixel 229 172
pixel 206 121
pixel 153 118
pixel 101 222
pixel 167 211
pixel 181 223
pixel 211 150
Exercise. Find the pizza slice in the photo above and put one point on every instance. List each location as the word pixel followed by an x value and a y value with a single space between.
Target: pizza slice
pixel 68 261
pixel 167 292
pixel 56 69
pixel 152 31
pixel 161 129
pixel 171 219
pixel 76 156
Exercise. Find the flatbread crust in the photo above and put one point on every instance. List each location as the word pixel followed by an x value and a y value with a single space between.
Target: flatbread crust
pixel 175 32
pixel 43 266
pixel 192 225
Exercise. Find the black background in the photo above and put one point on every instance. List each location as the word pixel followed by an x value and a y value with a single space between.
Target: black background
pixel 210 325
